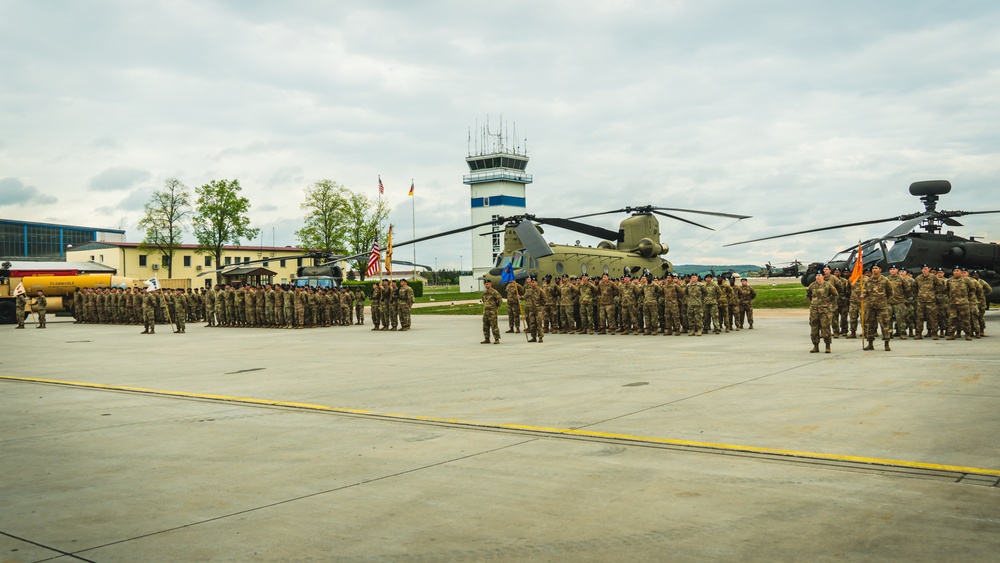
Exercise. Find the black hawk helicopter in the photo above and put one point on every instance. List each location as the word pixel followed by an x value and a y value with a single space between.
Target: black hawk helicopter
pixel 910 249
pixel 634 249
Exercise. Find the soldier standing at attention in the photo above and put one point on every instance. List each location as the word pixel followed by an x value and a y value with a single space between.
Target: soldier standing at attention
pixel 606 316
pixel 650 304
pixel 711 304
pixel 513 307
pixel 22 304
pixel 491 304
pixel 980 315
pixel 875 298
pixel 393 305
pixel 532 309
pixel 745 298
pixel 694 297
pixel 823 298
pixel 587 292
pixel 359 306
pixel 148 313
pixel 855 305
pixel 180 312
pixel 405 304
pixel 927 288
pixel 959 293
pixel 376 299
pixel 897 302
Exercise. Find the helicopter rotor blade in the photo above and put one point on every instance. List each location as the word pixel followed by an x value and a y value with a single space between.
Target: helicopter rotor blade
pixel 817 230
pixel 411 264
pixel 496 221
pixel 533 241
pixel 683 220
pixel 716 213
pixel 951 222
pixel 622 210
pixel 907 226
pixel 570 225
pixel 962 213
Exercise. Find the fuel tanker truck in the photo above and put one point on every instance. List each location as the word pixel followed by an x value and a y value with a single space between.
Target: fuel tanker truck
pixel 58 290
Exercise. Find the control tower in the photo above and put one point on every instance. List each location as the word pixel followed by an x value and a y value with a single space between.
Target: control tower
pixel 496 183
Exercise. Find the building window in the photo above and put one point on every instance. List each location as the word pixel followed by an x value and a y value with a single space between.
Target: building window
pixel 102 258
pixel 228 261
pixel 208 260
pixel 91 257
pixel 164 260
pixel 187 261
pixel 282 263
pixel 142 260
pixel 298 262
pixel 246 259
pixel 265 263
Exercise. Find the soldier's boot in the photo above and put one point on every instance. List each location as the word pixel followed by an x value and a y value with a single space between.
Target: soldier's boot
pixel 152 331
pixel 950 337
pixel 727 329
pixel 691 333
pixel 374 329
pixel 677 333
pixel 871 344
pixel 143 332
pixel 510 331
pixel 699 333
pixel 967 337
pixel 854 334
pixel 815 348
pixel 518 330
pixel 751 326
pixel 20 326
pixel 647 332
pixel 910 332
pixel 486 341
pixel 836 335
pixel 902 335
pixel 827 347
pixel 496 341
pixel 539 338
pixel 887 349
pixel 532 339
pixel 935 337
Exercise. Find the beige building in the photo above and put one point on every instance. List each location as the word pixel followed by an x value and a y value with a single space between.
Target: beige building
pixel 130 261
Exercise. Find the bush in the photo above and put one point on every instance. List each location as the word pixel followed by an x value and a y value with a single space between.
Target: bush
pixel 417 285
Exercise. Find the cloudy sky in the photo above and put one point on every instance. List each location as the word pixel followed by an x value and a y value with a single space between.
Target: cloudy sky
pixel 801 114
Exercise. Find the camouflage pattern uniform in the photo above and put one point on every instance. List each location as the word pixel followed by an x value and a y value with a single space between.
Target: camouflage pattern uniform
pixel 694 298
pixel 532 310
pixel 927 289
pixel 359 306
pixel 513 307
pixel 959 293
pixel 854 308
pixel 650 306
pixel 711 306
pixel 148 313
pixel 875 296
pixel 180 311
pixel 22 303
pixel 587 291
pixel 981 315
pixel 566 292
pixel 491 304
pixel 823 298
pixel 376 299
pixel 725 298
pixel 607 304
pixel 629 313
pixel 405 304
pixel 671 307
pixel 897 305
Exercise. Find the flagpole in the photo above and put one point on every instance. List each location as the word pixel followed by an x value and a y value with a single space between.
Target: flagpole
pixel 413 216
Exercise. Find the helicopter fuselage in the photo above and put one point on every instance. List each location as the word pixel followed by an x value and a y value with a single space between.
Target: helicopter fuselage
pixel 575 261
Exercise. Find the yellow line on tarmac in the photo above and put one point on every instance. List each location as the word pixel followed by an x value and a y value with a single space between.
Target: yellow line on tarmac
pixel 522 427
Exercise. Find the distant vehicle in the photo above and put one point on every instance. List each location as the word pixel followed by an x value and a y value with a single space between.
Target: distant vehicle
pixel 320 282
pixel 791 269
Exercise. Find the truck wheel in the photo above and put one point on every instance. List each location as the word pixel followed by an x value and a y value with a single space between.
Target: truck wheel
pixel 7 315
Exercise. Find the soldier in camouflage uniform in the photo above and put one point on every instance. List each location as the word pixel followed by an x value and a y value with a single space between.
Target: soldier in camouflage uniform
pixel 943 303
pixel 532 310
pixel 725 297
pixel 513 307
pixel 823 298
pixel 606 304
pixel 587 292
pixel 551 305
pixel 393 306
pixel 875 299
pixel 359 306
pixel 694 298
pixel 566 292
pixel 376 298
pixel 383 309
pixel 980 314
pixel 180 311
pixel 960 292
pixel 491 305
pixel 629 310
pixel 897 303
pixel 671 306
pixel 650 304
pixel 405 304
pixel 711 304
pixel 854 308
pixel 926 306
pixel 148 312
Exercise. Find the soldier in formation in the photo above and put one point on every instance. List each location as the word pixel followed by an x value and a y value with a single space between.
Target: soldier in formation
pixel 823 299
pixel 491 305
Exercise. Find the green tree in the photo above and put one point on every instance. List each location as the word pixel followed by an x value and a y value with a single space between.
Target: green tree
pixel 163 223
pixel 326 220
pixel 221 217
pixel 365 219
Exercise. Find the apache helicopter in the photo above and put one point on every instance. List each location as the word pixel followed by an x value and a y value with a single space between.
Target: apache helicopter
pixel 635 249
pixel 794 269
pixel 910 250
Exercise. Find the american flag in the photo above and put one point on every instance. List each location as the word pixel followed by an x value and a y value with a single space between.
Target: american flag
pixel 381 188
pixel 373 259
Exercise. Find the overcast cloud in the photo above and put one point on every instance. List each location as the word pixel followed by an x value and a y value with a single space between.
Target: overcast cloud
pixel 800 114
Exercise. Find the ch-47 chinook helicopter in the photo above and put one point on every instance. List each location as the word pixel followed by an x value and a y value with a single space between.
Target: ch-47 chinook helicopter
pixel 910 249
pixel 635 249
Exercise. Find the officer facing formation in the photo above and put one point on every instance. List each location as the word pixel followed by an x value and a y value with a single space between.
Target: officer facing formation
pixel 823 298
pixel 491 304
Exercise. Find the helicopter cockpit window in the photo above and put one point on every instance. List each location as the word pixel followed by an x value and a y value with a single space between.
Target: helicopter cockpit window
pixel 502 261
pixel 583 269
pixel 872 253
pixel 559 268
pixel 518 260
pixel 606 269
pixel 899 250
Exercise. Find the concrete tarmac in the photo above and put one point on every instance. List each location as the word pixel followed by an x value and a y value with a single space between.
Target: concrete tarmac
pixel 229 444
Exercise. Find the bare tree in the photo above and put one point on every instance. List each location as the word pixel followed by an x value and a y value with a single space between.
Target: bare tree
pixel 163 223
